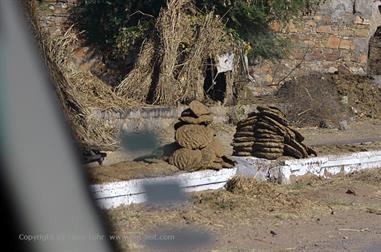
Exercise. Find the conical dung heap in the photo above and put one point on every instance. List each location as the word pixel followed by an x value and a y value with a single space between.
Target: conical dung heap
pixel 200 149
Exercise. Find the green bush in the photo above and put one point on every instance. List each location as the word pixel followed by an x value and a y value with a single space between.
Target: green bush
pixel 119 25
pixel 123 24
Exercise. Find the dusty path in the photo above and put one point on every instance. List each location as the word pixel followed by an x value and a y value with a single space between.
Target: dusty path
pixel 362 131
pixel 342 214
pixel 351 230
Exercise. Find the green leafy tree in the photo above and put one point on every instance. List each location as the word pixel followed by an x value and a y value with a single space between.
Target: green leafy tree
pixel 123 24
pixel 117 24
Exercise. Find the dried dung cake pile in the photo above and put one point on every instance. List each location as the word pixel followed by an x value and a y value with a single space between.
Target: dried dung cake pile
pixel 200 149
pixel 267 134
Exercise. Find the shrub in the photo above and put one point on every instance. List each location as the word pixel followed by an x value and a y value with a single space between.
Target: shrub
pixel 123 24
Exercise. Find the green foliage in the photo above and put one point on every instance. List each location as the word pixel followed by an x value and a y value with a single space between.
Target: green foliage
pixel 123 24
pixel 249 20
pixel 119 25
pixel 130 36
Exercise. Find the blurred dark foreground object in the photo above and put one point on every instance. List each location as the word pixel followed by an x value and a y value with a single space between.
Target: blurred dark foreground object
pixel 91 156
pixel 41 175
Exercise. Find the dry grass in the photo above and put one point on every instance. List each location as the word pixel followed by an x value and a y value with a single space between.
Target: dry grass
pixel 138 82
pixel 173 70
pixel 78 91
pixel 272 197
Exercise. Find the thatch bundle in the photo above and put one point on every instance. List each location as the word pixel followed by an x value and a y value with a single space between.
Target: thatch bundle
pixel 267 134
pixel 172 64
pixel 200 149
pixel 78 91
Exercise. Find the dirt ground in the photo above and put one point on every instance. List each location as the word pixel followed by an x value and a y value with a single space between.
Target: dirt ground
pixel 364 135
pixel 130 170
pixel 359 131
pixel 341 214
pixel 361 136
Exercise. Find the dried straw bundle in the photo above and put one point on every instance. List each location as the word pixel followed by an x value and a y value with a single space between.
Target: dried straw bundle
pixel 78 91
pixel 174 70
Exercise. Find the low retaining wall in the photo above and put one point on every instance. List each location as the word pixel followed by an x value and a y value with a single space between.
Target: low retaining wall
pixel 132 192
pixel 159 118
pixel 117 194
pixel 288 171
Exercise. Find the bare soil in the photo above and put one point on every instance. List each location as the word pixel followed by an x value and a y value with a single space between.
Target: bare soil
pixel 130 170
pixel 362 135
pixel 358 131
pixel 341 214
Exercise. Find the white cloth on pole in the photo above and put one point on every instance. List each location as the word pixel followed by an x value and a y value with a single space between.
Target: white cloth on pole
pixel 225 63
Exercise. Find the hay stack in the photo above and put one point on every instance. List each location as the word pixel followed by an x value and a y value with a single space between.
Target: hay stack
pixel 267 134
pixel 79 92
pixel 175 55
pixel 200 149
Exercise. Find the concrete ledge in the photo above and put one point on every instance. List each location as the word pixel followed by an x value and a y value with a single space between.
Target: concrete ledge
pixel 284 172
pixel 132 192
pixel 328 165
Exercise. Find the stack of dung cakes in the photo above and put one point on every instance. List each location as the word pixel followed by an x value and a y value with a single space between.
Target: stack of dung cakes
pixel 244 137
pixel 200 149
pixel 267 134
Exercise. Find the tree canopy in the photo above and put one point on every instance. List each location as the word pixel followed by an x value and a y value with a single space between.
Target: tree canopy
pixel 123 24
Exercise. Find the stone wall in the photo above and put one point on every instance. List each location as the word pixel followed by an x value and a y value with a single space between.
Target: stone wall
pixel 334 38
pixel 374 61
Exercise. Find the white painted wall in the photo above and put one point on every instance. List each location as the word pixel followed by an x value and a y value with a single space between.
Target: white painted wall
pixel 132 192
